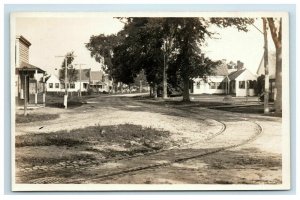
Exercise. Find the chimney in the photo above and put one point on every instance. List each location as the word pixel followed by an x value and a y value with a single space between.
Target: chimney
pixel 239 65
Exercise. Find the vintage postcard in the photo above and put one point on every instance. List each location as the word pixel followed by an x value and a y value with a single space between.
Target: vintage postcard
pixel 150 101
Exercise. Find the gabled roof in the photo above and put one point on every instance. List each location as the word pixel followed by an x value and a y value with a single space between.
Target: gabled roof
pixel 271 65
pixel 221 70
pixel 51 76
pixel 96 75
pixel 29 67
pixel 234 75
pixel 84 75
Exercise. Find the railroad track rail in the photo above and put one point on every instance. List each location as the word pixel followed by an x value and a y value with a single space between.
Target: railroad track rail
pixel 122 172
pixel 126 171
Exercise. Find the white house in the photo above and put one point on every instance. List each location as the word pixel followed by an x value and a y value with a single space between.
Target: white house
pixel 213 84
pixel 97 81
pixel 241 83
pixel 86 79
pixel 53 84
pixel 82 82
pixel 226 79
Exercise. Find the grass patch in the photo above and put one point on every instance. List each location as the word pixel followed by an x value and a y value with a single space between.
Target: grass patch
pixel 126 135
pixel 35 117
pixel 99 143
pixel 56 101
pixel 175 103
pixel 253 109
pixel 35 161
pixel 46 140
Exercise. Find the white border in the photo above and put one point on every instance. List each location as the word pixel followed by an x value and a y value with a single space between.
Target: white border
pixel 118 187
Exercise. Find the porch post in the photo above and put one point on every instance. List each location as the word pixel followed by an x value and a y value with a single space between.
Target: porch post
pixel 25 95
pixel 35 94
pixel 44 91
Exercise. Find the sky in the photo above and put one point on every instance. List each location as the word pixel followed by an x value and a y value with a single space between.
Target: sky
pixel 55 36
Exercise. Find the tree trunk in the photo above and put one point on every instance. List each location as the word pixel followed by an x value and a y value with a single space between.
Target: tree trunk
pixel 155 91
pixel 151 90
pixel 165 84
pixel 266 66
pixel 278 81
pixel 277 39
pixel 186 93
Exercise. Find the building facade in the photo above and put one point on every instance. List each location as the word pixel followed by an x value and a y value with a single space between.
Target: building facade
pixel 29 86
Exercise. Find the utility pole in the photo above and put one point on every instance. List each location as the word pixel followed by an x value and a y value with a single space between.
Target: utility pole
pixel 165 84
pixel 25 95
pixel 66 74
pixel 80 77
pixel 266 63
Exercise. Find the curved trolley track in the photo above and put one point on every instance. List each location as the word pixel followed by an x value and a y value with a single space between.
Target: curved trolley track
pixel 213 143
pixel 176 159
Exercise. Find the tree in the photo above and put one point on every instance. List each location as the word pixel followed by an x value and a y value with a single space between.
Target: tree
pixel 72 73
pixel 276 33
pixel 189 38
pixel 160 46
pixel 266 63
pixel 101 48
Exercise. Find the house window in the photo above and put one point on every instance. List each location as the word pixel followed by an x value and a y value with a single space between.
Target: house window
pixel 85 85
pixel 72 85
pixel 212 85
pixel 242 84
pixel 198 84
pixel 50 85
pixel 221 85
pixel 250 84
pixel 100 86
pixel 56 85
pixel 62 86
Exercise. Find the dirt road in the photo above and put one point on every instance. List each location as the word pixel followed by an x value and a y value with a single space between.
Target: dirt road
pixel 220 147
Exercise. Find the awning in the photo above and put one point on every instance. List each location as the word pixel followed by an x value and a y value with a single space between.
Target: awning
pixel 28 67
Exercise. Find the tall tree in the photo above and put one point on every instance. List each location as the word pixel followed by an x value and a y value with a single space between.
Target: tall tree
pixel 190 36
pixel 276 33
pixel 101 48
pixel 72 73
pixel 266 66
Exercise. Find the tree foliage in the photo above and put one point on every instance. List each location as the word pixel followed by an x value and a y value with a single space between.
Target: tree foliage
pixel 144 43
pixel 72 73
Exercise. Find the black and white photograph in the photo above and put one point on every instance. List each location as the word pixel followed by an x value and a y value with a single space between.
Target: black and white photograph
pixel 117 101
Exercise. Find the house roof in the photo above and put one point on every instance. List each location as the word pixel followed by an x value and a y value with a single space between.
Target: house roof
pixel 23 39
pixel 234 75
pixel 96 75
pixel 84 75
pixel 271 64
pixel 221 70
pixel 51 75
pixel 29 67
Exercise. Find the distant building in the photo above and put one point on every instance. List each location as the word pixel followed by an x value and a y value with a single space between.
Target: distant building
pixel 226 78
pixel 97 81
pixel 241 83
pixel 213 84
pixel 86 79
pixel 27 76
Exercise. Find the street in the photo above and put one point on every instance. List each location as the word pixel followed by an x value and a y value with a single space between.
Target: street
pixel 206 146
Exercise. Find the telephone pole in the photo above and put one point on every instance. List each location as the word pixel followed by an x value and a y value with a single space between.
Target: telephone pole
pixel 66 74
